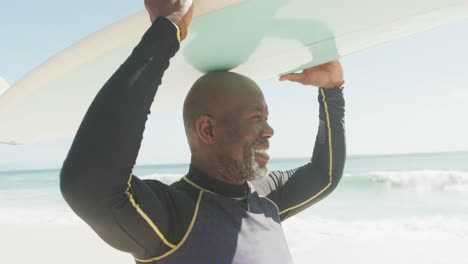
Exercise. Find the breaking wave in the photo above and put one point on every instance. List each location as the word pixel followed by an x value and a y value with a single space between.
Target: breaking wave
pixel 421 180
pixel 424 180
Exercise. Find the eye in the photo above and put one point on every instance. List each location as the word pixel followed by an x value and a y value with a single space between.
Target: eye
pixel 256 117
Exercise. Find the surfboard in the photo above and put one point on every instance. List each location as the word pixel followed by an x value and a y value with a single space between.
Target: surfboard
pixel 258 38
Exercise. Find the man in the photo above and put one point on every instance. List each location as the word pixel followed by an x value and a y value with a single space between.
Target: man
pixel 226 209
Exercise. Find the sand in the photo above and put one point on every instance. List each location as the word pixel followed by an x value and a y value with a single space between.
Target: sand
pixel 310 242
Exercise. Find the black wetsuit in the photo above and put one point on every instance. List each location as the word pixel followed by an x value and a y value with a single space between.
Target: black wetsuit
pixel 197 219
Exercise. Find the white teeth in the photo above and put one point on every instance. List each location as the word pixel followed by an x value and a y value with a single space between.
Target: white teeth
pixel 260 151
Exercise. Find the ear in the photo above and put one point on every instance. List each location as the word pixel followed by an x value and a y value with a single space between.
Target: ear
pixel 205 129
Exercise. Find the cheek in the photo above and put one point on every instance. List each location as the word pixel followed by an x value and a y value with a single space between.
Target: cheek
pixel 242 134
pixel 230 132
pixel 236 137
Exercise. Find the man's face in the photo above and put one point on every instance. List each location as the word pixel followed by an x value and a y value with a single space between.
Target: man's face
pixel 242 134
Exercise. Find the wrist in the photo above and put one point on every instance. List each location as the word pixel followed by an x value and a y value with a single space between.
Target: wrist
pixel 331 92
pixel 179 32
pixel 334 85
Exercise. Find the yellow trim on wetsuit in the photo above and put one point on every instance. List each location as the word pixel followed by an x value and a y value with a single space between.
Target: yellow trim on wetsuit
pixel 277 208
pixel 330 158
pixel 187 233
pixel 145 216
pixel 179 32
pixel 206 190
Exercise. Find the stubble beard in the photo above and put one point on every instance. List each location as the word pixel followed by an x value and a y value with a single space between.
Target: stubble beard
pixel 247 169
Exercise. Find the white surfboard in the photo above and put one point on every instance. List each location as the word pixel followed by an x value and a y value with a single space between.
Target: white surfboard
pixel 258 38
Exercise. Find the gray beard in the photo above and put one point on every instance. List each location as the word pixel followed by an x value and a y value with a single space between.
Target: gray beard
pixel 238 171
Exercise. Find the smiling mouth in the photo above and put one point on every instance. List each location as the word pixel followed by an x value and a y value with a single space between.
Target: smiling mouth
pixel 261 157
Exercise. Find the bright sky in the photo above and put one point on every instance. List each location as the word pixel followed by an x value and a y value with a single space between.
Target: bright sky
pixel 403 97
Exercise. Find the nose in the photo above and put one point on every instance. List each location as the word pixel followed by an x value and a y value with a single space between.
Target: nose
pixel 267 131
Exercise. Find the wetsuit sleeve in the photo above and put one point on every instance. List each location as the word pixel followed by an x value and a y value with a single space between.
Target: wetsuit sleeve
pixel 96 179
pixel 295 190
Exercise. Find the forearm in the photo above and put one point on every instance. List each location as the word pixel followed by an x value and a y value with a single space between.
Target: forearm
pixel 106 145
pixel 330 145
pixel 320 177
pixel 295 190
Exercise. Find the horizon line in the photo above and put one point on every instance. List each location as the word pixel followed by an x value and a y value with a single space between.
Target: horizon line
pixel 350 156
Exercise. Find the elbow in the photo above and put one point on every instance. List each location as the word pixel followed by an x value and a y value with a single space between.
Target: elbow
pixel 80 191
pixel 68 186
pixel 77 195
pixel 73 187
pixel 68 178
pixel 74 179
pixel 336 177
pixel 338 166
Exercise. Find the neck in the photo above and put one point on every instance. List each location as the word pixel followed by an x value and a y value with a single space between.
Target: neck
pixel 213 168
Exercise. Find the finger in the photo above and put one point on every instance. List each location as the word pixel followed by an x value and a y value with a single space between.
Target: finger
pixel 151 8
pixel 185 21
pixel 293 77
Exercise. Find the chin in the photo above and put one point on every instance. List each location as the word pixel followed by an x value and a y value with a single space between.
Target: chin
pixel 258 172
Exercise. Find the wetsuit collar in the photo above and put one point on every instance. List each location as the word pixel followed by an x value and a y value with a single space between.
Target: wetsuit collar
pixel 204 182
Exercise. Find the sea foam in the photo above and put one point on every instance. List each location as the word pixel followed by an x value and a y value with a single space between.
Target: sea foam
pixel 434 240
pixel 423 180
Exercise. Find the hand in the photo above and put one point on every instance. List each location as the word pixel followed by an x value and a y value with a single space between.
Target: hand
pixel 328 75
pixel 178 12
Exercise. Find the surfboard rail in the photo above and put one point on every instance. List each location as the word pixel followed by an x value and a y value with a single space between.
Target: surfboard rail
pixel 273 37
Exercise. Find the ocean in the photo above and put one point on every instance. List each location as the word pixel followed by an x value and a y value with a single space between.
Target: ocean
pixel 387 209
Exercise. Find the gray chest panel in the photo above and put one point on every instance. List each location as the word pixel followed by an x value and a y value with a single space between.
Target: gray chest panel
pixel 231 231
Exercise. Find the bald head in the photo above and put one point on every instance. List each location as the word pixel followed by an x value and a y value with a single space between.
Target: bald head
pixel 212 93
pixel 225 118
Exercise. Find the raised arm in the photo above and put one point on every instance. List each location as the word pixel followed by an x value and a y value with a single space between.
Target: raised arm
pixel 96 178
pixel 295 190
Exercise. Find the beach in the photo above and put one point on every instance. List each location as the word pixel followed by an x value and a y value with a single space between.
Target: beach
pixel 387 209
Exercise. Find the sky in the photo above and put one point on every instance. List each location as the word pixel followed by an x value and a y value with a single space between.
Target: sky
pixel 407 96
